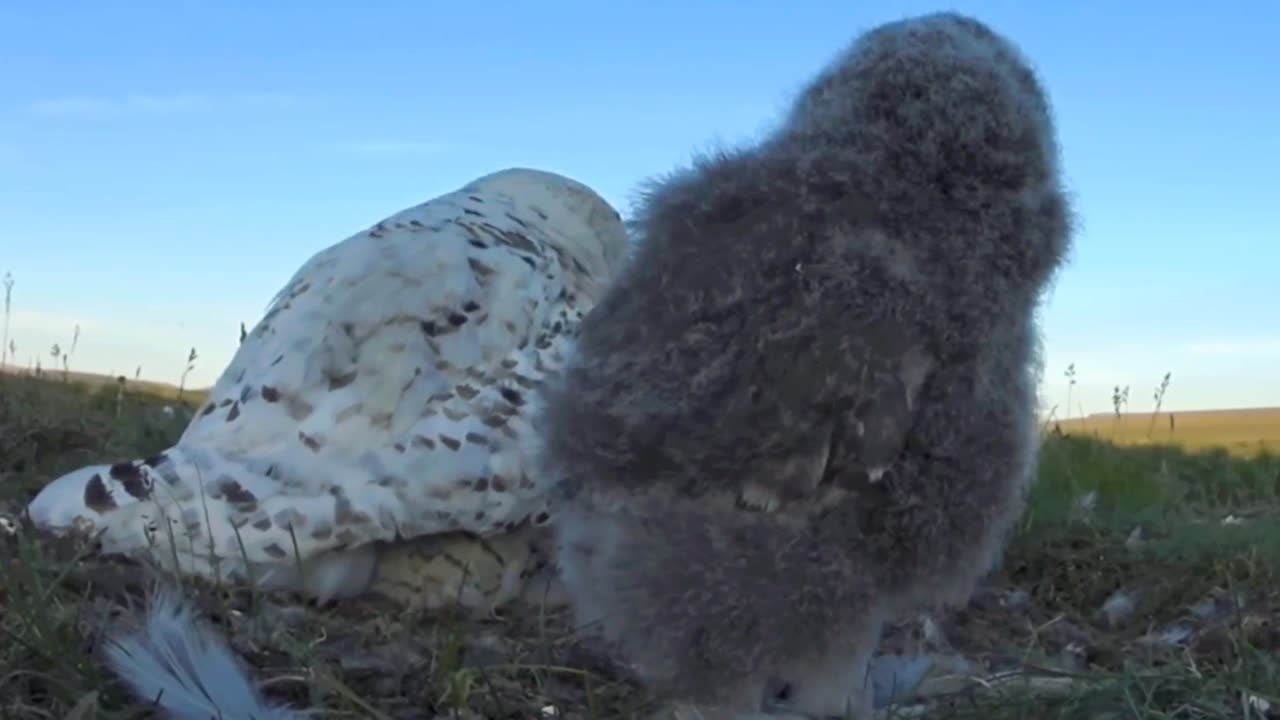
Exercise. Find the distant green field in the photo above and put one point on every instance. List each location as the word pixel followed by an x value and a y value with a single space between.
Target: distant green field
pixel 85 382
pixel 1240 432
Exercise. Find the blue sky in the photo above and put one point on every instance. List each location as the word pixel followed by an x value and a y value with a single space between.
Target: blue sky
pixel 166 166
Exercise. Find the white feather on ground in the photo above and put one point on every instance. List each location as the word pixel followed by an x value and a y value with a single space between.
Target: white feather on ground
pixel 180 666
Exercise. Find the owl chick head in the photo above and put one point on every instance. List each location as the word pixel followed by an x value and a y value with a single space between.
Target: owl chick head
pixel 947 127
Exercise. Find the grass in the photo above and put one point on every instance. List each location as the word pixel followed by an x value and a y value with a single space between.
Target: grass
pixel 1154 529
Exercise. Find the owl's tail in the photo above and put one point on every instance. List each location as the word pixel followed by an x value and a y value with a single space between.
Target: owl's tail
pixel 185 670
pixel 185 505
pixel 715 603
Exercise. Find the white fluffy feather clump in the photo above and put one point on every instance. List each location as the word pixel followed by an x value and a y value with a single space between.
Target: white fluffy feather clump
pixel 187 670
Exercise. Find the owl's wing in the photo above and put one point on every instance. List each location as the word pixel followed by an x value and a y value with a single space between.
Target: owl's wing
pixel 385 394
pixel 863 380
pixel 879 410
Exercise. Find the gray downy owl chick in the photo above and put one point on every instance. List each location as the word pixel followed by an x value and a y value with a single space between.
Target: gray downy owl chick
pixel 807 404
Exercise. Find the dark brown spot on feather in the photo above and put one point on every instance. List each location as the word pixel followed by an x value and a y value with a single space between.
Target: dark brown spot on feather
pixel 290 520
pixel 481 485
pixel 345 513
pixel 512 239
pixel 449 442
pixel 298 409
pixel 480 268
pixel 96 495
pixel 235 492
pixel 263 523
pixel 234 412
pixel 311 443
pixel 131 477
pixel 470 306
pixel 423 441
pixel 512 396
pixel 208 409
pixel 476 439
pixel 457 319
pixel 499 483
pixel 429 328
pixel 270 394
pixel 466 392
pixel 275 551
pixel 341 380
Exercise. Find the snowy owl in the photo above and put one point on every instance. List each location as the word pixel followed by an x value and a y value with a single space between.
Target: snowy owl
pixel 372 432
pixel 807 403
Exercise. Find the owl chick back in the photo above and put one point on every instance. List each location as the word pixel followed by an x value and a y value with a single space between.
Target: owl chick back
pixel 669 391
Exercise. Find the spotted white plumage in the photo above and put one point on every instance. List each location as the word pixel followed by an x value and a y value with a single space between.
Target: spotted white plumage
pixel 384 398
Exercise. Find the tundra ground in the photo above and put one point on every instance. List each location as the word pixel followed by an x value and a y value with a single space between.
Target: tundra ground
pixel 1141 584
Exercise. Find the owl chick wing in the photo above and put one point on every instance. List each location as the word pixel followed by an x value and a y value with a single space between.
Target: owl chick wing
pixel 383 395
pixel 862 383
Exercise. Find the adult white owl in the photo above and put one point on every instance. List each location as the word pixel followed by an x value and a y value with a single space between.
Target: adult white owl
pixel 372 431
